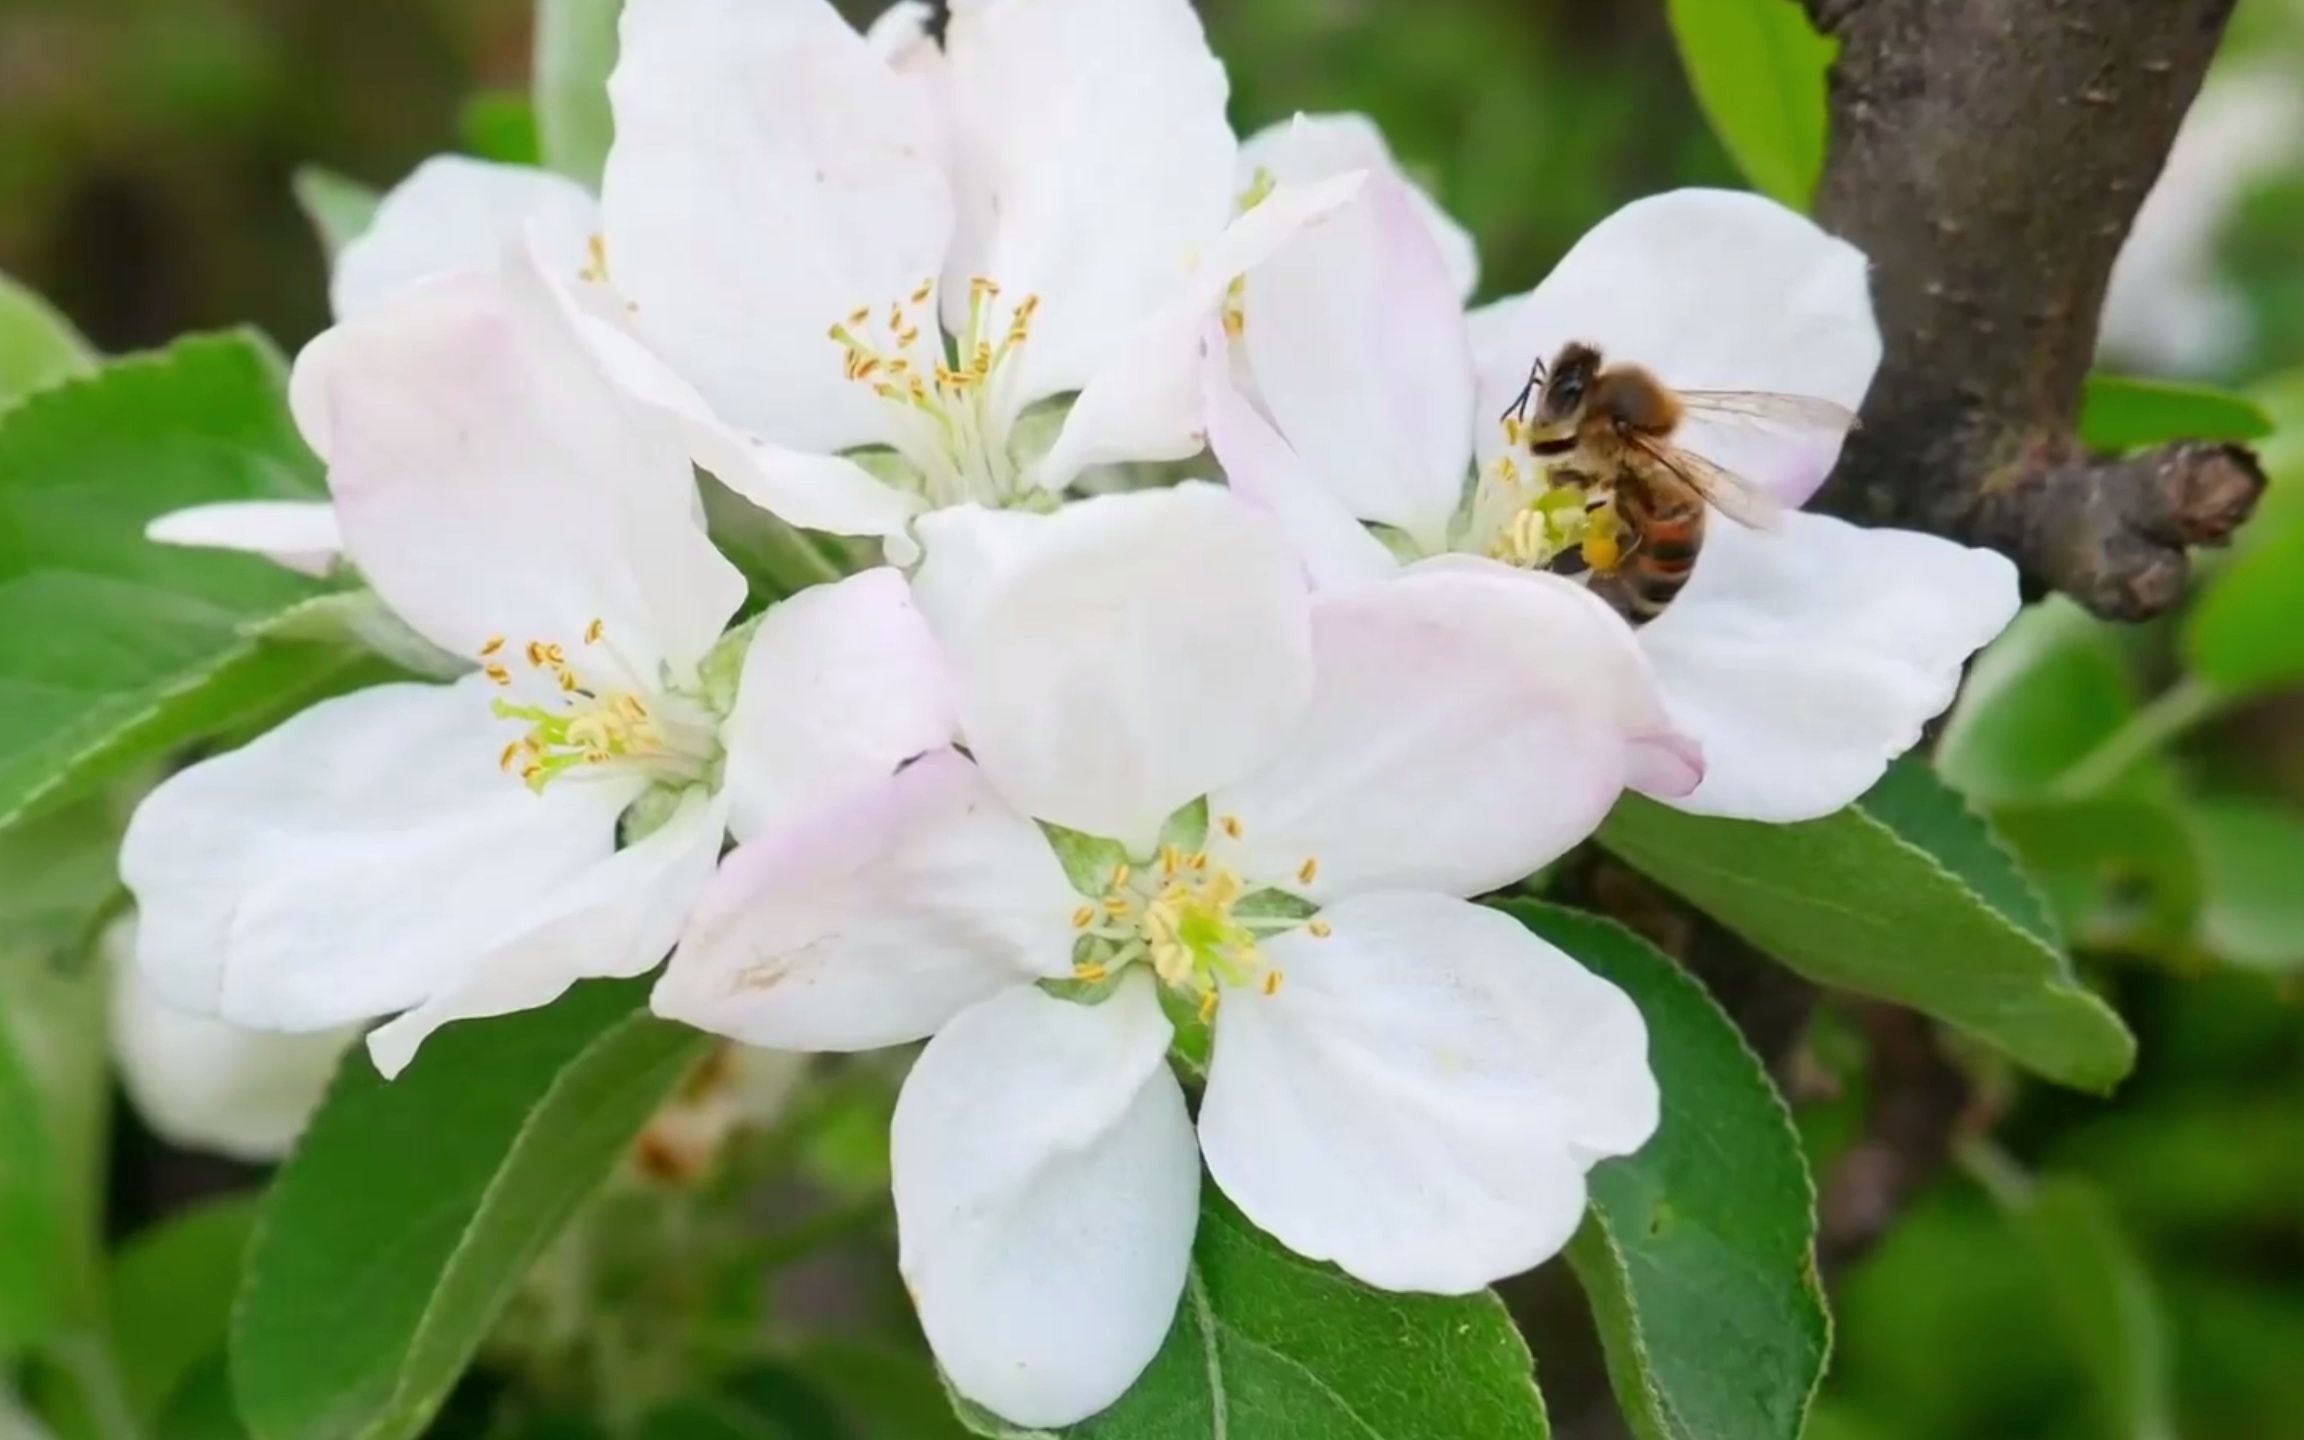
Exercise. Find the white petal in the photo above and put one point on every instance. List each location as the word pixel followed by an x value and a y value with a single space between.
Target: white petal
pixel 1120 658
pixel 770 175
pixel 1710 290
pixel 1046 1196
pixel 299 534
pixel 1095 163
pixel 1808 658
pixel 1305 148
pixel 1470 724
pixel 453 214
pixel 900 36
pixel 1146 403
pixel 812 491
pixel 617 918
pixel 875 919
pixel 1419 1099
pixel 1355 340
pixel 491 481
pixel 352 862
pixel 205 1085
pixel 842 684
pixel 1264 470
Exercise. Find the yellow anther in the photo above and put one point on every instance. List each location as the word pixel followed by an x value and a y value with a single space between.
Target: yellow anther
pixel 1308 870
pixel 594 631
pixel 1090 972
pixel 1272 982
pixel 495 643
pixel 1231 825
pixel 511 753
pixel 1083 917
pixel 983 286
pixel 1320 929
pixel 1199 860
pixel 927 288
pixel 568 681
pixel 1120 874
pixel 497 674
pixel 859 316
pixel 1208 1005
pixel 1171 860
pixel 536 654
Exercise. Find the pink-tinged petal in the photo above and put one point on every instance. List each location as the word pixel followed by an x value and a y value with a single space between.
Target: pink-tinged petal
pixel 1355 341
pixel 1264 470
pixel 1419 1098
pixel 875 920
pixel 1808 658
pixel 842 684
pixel 1121 657
pixel 355 861
pixel 617 918
pixel 492 482
pixel 1709 290
pixel 301 535
pixel 1095 165
pixel 1146 403
pixel 1471 723
pixel 1305 148
pixel 771 175
pixel 1047 1191
pixel 456 214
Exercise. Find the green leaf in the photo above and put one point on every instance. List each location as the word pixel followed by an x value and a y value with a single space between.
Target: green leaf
pixel 575 50
pixel 412 1209
pixel 1273 1346
pixel 2122 412
pixel 55 1098
pixel 112 648
pixel 1699 1252
pixel 2242 637
pixel 2121 872
pixel 1893 905
pixel 1758 69
pixel 2105 1306
pixel 171 1290
pixel 340 208
pixel 2052 688
pixel 38 346
pixel 2252 852
pixel 887 1394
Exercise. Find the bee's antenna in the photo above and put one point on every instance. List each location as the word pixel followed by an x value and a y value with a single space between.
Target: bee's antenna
pixel 1518 409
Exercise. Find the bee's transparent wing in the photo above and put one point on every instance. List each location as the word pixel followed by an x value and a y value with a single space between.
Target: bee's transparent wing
pixel 1764 410
pixel 1729 493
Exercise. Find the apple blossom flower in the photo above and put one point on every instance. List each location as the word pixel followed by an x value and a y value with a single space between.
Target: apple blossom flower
pixel 1195 797
pixel 443 851
pixel 1803 658
pixel 858 265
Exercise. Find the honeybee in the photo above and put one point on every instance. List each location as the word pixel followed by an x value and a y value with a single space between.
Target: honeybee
pixel 1607 429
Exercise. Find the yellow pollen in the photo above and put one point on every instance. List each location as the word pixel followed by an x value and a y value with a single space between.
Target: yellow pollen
pixel 1083 917
pixel 1090 972
pixel 985 286
pixel 511 753
pixel 497 674
pixel 861 315
pixel 1306 871
pixel 1208 1005
pixel 1120 874
pixel 927 288
pixel 594 631
pixel 1320 929
pixel 536 654
pixel 495 643
pixel 1231 825
pixel 1272 982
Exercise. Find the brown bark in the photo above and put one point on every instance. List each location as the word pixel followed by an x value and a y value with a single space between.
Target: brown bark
pixel 1989 156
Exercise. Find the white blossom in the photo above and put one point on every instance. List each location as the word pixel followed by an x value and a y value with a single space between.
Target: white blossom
pixel 1802 658
pixel 1192 793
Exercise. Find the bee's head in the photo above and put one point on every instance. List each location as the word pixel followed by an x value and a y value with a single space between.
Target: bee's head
pixel 1567 385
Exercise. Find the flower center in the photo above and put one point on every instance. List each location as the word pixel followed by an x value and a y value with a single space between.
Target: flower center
pixel 580 722
pixel 1520 515
pixel 954 408
pixel 1196 922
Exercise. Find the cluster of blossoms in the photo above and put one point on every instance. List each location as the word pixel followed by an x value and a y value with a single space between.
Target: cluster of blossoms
pixel 1083 792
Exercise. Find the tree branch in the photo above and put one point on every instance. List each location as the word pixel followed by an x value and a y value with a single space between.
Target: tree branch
pixel 1989 156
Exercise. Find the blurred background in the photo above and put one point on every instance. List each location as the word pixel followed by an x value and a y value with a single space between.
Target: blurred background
pixel 2151 1286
